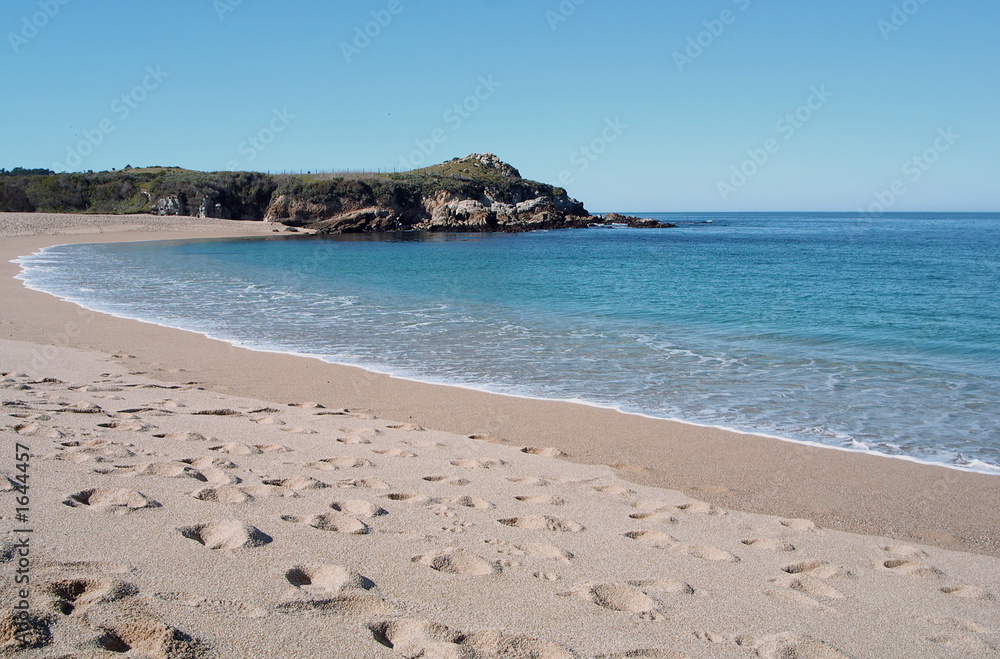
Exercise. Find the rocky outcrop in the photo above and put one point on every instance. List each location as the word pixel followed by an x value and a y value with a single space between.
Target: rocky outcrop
pixel 211 208
pixel 476 193
pixel 172 205
pixel 636 222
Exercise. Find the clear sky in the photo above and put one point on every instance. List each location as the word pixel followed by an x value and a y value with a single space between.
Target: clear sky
pixel 632 105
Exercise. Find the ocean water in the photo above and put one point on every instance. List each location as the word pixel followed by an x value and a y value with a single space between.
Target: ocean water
pixel 879 335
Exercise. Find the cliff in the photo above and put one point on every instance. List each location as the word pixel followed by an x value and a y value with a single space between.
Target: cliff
pixel 475 193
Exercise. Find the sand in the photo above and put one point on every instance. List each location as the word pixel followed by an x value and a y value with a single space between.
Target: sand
pixel 188 499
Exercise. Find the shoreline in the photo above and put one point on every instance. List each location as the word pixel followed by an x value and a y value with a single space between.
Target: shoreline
pixel 840 489
pixel 986 469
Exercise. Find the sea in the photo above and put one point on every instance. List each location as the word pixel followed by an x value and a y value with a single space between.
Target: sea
pixel 866 334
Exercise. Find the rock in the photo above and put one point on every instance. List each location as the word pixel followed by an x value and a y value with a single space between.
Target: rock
pixel 171 205
pixel 209 208
pixel 490 162
pixel 479 192
pixel 636 222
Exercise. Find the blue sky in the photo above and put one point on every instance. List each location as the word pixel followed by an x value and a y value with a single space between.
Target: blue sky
pixel 618 101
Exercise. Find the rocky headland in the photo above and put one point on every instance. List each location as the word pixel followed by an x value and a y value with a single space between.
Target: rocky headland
pixel 476 193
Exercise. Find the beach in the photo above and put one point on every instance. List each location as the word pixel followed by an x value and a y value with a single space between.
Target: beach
pixel 191 498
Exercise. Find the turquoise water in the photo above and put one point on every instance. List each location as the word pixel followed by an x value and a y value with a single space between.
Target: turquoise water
pixel 874 335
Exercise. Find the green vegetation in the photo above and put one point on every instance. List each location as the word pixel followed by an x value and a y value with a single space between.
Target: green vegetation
pixel 246 195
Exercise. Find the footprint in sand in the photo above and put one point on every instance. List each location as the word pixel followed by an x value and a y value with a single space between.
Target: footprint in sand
pixel 782 646
pixel 912 568
pixel 26 632
pixel 654 538
pixel 395 453
pixel 345 462
pixel 549 452
pixel 543 523
pixel 770 544
pixel 425 444
pixel 211 605
pixel 114 499
pixel 614 490
pixel 803 525
pixel 466 502
pixel 810 585
pixel 334 522
pixel 85 407
pixel 354 439
pixel 269 421
pixel 819 569
pixel 664 586
pixel 270 491
pixel 75 596
pixel 968 592
pixel 447 480
pixel 616 597
pixel 183 436
pixel 320 577
pixel 906 551
pixel 273 448
pixel 207 462
pixel 483 463
pixel 530 480
pixel 541 499
pixel 413 499
pixel 222 494
pixel 359 508
pixel 308 405
pixel 226 534
pixel 458 561
pixel 170 470
pixel 659 516
pixel 38 430
pixel 147 636
pixel 298 483
pixel 236 449
pixel 546 552
pixel 701 508
pixel 961 636
pixel 353 602
pixel 362 483
pixel 408 427
pixel 707 553
pixel 421 638
pixel 126 426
